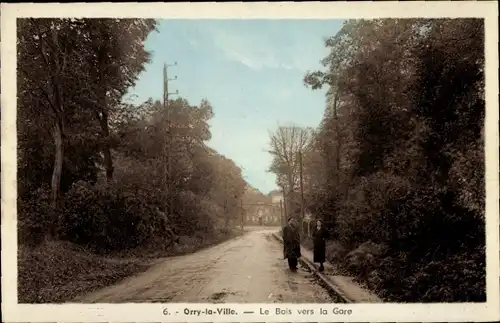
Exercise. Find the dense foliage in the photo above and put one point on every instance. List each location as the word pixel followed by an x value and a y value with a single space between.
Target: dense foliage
pixel 398 162
pixel 92 168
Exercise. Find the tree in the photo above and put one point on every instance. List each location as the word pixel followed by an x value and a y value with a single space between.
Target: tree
pixel 405 106
pixel 287 142
pixel 229 188
pixel 46 50
pixel 71 112
pixel 115 56
pixel 54 60
pixel 200 176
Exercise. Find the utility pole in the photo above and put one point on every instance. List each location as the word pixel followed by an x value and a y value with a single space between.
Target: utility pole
pixel 301 193
pixel 282 220
pixel 337 188
pixel 168 143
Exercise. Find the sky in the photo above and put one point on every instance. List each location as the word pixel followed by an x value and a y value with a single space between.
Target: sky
pixel 251 71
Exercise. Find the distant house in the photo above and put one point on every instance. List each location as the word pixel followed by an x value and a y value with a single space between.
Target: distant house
pixel 276 197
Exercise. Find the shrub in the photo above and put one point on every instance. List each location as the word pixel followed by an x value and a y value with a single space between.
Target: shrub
pixel 335 252
pixel 362 260
pixel 363 215
pixel 462 278
pixel 34 217
pixel 104 219
pixel 108 217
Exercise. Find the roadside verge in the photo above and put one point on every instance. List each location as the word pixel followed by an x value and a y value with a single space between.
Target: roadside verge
pixel 343 286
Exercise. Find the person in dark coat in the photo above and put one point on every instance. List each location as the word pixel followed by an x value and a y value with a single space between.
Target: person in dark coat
pixel 291 243
pixel 319 242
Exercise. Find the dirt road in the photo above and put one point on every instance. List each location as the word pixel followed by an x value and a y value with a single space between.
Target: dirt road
pixel 248 269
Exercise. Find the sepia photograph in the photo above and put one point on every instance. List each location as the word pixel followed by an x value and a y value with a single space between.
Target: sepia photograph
pixel 297 161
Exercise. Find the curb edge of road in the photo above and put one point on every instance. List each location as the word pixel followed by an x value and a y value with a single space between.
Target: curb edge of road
pixel 322 277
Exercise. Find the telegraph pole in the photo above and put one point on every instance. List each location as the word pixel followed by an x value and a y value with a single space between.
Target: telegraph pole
pixel 168 143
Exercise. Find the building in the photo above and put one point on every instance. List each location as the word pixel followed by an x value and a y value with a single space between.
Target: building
pixel 276 197
pixel 277 202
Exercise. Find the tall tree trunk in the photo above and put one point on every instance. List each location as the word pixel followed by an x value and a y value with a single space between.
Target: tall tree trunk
pixel 57 173
pixel 290 192
pixel 58 163
pixel 58 129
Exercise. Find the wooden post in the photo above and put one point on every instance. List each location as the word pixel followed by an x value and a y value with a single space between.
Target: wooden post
pixel 166 175
pixel 169 139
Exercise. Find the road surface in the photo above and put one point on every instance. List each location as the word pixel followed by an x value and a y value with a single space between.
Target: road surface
pixel 248 269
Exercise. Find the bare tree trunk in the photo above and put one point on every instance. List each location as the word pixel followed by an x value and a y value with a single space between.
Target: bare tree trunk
pixel 290 191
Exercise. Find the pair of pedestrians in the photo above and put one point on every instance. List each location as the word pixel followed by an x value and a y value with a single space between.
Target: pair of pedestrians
pixel 291 244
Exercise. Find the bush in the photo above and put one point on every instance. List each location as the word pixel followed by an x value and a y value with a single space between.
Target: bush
pixel 423 232
pixel 105 219
pixel 190 216
pixel 363 214
pixel 34 217
pixel 462 278
pixel 364 259
pixel 128 213
pixel 335 252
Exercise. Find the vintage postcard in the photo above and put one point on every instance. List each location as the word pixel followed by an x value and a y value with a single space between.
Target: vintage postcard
pixel 250 162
